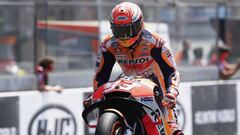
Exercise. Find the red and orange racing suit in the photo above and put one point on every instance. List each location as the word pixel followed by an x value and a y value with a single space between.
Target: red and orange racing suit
pixel 149 57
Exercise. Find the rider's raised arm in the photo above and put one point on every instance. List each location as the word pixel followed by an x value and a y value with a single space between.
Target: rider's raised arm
pixel 165 60
pixel 104 65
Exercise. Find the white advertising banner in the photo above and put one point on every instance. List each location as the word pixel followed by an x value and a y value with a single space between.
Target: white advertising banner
pixel 238 107
pixel 202 106
pixel 60 113
pixel 184 108
pixel 52 113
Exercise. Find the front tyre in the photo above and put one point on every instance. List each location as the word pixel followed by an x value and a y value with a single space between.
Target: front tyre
pixel 110 123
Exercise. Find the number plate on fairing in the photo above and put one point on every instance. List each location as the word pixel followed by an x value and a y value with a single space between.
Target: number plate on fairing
pixel 120 85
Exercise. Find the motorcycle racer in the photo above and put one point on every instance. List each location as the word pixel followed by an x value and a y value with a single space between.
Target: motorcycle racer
pixel 139 52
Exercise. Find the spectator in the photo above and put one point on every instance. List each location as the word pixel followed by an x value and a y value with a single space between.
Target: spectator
pixel 226 70
pixel 182 57
pixel 198 57
pixel 45 66
pixel 213 56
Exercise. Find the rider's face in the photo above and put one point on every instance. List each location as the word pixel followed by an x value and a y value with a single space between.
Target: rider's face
pixel 128 42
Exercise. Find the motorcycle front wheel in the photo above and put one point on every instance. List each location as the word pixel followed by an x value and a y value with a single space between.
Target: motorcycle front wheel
pixel 110 123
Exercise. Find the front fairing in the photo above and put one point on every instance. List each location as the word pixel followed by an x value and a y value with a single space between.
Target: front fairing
pixel 137 87
pixel 117 103
pixel 128 96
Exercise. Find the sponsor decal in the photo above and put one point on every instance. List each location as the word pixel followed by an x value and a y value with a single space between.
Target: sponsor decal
pixel 146 73
pixel 144 54
pixel 155 116
pixel 214 109
pixel 168 53
pixel 108 85
pixel 53 119
pixel 147 99
pixel 118 51
pixel 144 49
pixel 115 45
pixel 9 116
pixel 134 61
pixel 122 17
pixel 161 42
pixel 120 57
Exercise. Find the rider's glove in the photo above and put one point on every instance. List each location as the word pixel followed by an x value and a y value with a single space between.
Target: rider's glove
pixel 170 98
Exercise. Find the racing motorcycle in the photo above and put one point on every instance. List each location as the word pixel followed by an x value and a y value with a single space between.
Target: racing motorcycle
pixel 127 106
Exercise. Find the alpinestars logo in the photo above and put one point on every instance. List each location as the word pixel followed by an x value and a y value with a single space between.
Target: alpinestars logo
pixel 53 120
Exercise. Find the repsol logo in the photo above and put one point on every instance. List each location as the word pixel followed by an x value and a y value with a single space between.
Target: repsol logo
pixel 134 61
pixel 53 120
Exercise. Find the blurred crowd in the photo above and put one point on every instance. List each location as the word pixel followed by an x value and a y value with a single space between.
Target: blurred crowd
pixel 217 56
